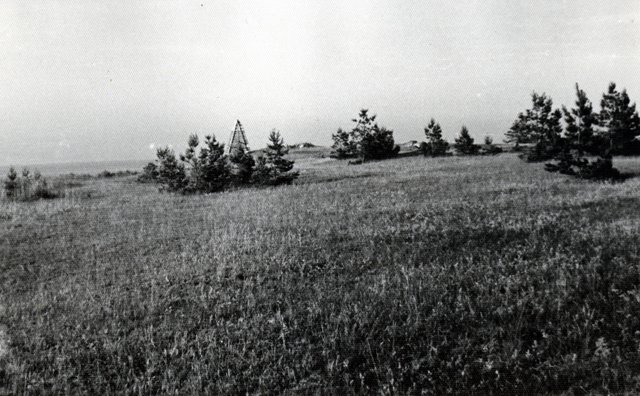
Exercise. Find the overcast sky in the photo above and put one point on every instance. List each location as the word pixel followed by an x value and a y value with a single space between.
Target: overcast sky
pixel 110 80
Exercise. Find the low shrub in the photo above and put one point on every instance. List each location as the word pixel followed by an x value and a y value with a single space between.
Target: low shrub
pixel 489 148
pixel 149 173
pixel 105 174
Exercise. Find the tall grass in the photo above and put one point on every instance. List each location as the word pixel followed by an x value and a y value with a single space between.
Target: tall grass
pixel 451 275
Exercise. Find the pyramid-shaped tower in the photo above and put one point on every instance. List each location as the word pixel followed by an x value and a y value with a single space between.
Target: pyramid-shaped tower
pixel 238 140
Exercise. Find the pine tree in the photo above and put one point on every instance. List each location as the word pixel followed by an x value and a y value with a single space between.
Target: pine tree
pixel 364 126
pixel 11 184
pixel 619 118
pixel 581 137
pixel 242 166
pixel 378 144
pixel 580 124
pixel 273 168
pixel 171 173
pixel 464 144
pixel 275 152
pixel 192 165
pixel 539 126
pixel 343 145
pixel 435 144
pixel 215 174
pixel 263 173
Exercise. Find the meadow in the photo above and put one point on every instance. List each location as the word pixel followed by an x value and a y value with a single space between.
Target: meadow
pixel 413 275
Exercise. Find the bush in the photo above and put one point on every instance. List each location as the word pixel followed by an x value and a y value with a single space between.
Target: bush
pixel 301 145
pixel 573 163
pixel 105 174
pixel 379 144
pixel 542 151
pixel 149 173
pixel 489 148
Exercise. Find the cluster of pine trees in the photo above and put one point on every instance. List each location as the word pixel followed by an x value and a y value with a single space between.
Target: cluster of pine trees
pixel 211 170
pixel 368 141
pixel 585 146
pixel 28 186
pixel 464 144
pixel 365 141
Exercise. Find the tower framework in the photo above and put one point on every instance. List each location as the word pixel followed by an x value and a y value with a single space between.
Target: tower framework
pixel 238 140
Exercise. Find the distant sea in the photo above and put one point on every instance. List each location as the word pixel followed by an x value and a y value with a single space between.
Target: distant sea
pixel 91 168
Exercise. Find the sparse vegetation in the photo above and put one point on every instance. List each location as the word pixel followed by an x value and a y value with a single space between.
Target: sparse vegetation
pixel 489 148
pixel 301 145
pixel 109 174
pixel 473 275
pixel 28 187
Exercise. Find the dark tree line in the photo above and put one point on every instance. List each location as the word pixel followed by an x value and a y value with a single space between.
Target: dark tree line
pixel 586 145
pixel 366 140
pixel 211 170
pixel 464 144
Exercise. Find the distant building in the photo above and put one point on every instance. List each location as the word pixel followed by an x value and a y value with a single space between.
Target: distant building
pixel 238 140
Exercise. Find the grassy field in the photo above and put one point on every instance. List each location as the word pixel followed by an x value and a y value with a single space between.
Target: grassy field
pixel 451 275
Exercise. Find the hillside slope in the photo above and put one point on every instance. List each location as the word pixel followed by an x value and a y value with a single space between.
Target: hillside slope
pixel 453 275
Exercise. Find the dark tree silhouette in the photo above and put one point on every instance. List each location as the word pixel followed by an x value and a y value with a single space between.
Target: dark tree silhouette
pixel 464 144
pixel 619 118
pixel 435 144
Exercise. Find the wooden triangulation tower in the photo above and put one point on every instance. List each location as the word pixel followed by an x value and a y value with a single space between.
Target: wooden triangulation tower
pixel 238 140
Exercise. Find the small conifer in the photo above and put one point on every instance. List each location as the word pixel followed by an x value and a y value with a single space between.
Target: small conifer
pixel 464 144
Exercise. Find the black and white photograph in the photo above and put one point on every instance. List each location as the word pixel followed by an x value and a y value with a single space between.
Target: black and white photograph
pixel 362 197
